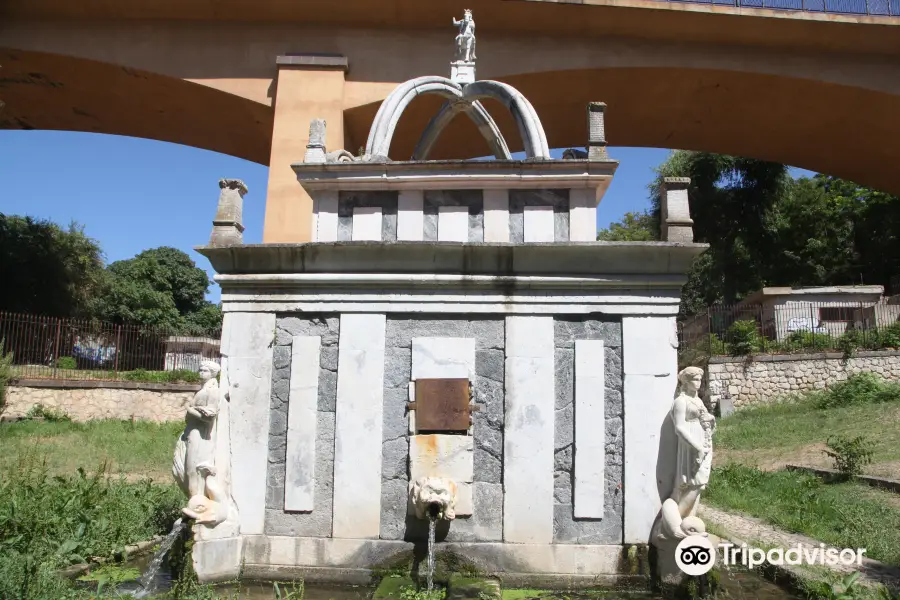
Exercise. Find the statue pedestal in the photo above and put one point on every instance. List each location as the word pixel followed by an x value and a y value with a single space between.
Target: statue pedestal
pixel 462 72
pixel 218 560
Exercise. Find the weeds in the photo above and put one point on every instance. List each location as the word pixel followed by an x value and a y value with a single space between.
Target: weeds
pixel 859 388
pixel 850 455
pixel 39 411
pixel 5 374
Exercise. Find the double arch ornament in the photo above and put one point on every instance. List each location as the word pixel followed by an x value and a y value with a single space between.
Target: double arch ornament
pixel 459 99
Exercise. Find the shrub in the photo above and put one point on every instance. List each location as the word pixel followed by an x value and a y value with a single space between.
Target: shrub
pixel 39 411
pixel 743 338
pixel 66 362
pixel 859 388
pixel 5 374
pixel 890 336
pixel 849 343
pixel 176 376
pixel 849 455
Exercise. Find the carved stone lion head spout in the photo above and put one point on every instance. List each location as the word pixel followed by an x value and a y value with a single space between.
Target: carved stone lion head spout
pixel 433 498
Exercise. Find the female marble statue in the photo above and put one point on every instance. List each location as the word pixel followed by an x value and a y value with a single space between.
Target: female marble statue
pixel 694 427
pixel 465 40
pixel 195 449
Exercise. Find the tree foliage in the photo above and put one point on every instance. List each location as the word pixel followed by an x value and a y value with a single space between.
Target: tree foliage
pixel 764 228
pixel 161 287
pixel 46 269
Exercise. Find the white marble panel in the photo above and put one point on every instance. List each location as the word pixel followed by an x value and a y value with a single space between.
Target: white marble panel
pixel 538 223
pixel 326 215
pixel 300 465
pixel 453 223
pixel 590 429
pixel 649 346
pixel 366 224
pixel 247 341
pixel 583 215
pixel 449 456
pixel 529 433
pixel 443 358
pixel 410 215
pixel 650 363
pixel 496 215
pixel 358 426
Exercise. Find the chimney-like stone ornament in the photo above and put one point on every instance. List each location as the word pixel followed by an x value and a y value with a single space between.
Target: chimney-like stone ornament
pixel 676 224
pixel 596 145
pixel 228 227
pixel 315 149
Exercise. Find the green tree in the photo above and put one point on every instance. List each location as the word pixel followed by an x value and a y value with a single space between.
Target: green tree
pixel 634 227
pixel 161 287
pixel 46 269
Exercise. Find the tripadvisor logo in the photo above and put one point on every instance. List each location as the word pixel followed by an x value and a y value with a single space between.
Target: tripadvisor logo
pixel 695 555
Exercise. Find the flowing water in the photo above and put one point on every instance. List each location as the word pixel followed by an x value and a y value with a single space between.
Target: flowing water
pixel 432 524
pixel 149 583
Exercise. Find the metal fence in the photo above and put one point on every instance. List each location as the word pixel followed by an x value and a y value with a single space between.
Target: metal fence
pixel 792 327
pixel 53 348
pixel 884 8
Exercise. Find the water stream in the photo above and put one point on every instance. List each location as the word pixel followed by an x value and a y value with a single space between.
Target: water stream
pixel 148 582
pixel 432 524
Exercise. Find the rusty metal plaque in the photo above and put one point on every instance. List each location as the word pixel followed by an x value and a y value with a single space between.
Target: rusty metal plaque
pixel 442 404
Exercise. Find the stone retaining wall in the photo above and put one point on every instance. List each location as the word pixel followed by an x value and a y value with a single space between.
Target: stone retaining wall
pixel 89 400
pixel 763 379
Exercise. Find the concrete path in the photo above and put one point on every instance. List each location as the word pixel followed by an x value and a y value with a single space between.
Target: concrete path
pixel 754 532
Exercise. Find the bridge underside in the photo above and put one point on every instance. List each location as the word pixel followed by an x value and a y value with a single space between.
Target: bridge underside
pixel 835 129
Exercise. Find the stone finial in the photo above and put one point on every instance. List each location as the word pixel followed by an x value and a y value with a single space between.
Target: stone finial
pixel 228 227
pixel 596 131
pixel 675 212
pixel 315 149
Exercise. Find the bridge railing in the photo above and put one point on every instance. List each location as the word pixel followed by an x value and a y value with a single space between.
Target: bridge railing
pixel 886 8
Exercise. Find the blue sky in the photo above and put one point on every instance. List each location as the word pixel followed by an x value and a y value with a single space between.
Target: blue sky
pixel 132 194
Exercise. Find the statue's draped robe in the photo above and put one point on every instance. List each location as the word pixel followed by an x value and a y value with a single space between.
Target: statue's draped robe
pixel 197 443
pixel 690 469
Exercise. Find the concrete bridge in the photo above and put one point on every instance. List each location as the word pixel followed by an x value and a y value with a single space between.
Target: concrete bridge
pixel 814 90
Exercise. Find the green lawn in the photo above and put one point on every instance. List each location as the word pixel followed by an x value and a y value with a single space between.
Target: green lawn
pixel 845 515
pixel 139 450
pixel 796 432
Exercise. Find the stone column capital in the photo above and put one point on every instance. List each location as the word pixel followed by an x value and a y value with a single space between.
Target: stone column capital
pixel 233 184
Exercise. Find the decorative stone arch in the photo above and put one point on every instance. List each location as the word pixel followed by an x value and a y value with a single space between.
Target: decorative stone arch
pixel 479 115
pixel 459 98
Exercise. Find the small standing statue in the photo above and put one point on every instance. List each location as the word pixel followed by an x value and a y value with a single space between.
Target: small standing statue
pixel 694 427
pixel 194 466
pixel 465 40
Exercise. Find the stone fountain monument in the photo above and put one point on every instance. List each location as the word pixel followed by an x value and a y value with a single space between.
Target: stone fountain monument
pixel 453 343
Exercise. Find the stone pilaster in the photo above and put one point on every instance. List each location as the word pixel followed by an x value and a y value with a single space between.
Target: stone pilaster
pixel 228 228
pixel 596 131
pixel 675 223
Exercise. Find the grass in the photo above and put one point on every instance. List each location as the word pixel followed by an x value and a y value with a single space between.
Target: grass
pixel 795 432
pixel 136 450
pixel 845 515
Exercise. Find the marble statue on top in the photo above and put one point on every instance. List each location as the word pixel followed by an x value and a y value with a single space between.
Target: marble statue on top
pixel 694 427
pixel 465 40
pixel 196 465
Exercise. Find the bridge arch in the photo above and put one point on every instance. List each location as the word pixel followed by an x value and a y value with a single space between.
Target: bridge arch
pixel 59 92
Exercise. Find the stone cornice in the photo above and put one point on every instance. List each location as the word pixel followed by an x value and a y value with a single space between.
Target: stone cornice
pixel 457 174
pixel 640 262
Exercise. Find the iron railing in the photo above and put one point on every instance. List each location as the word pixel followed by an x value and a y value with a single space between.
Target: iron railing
pixel 54 348
pixel 792 327
pixel 883 8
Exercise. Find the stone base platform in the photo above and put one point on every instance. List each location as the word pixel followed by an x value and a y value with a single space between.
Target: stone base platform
pixel 354 560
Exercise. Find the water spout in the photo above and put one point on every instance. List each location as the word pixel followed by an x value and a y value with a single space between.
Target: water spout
pixel 433 498
pixel 148 581
pixel 432 525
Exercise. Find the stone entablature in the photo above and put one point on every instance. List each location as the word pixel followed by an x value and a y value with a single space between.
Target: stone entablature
pixel 767 379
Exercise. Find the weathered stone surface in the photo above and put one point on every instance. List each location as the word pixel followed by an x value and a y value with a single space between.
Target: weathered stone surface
pixel 99 403
pixel 489 364
pixel 473 226
pixel 393 458
pixel 767 379
pixel 397 367
pixel 557 199
pixel 386 201
pixel 528 437
pixel 608 528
